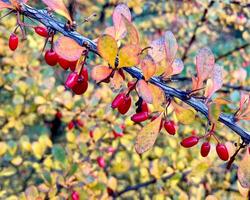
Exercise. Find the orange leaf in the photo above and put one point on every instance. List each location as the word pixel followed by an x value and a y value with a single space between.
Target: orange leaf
pixel 68 48
pixel 120 27
pixel 107 48
pixel 144 91
pixel 204 63
pixel 132 33
pixel 116 81
pixel 176 68
pixel 128 56
pixel 99 73
pixel 148 135
pixel 158 97
pixel 148 67
pixel 59 7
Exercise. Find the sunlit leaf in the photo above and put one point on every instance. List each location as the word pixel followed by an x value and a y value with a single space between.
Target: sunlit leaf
pixel 148 67
pixel 148 135
pixel 244 171
pixel 204 63
pixel 120 27
pixel 215 82
pixel 128 56
pixel 176 68
pixel 132 33
pixel 159 97
pixel 157 50
pixel 184 115
pixel 107 48
pixel 116 81
pixel 100 73
pixel 59 7
pixel 144 91
pixel 171 47
pixel 4 5
pixel 110 31
pixel 68 48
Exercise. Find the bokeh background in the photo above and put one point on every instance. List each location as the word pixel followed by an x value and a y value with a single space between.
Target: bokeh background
pixel 41 156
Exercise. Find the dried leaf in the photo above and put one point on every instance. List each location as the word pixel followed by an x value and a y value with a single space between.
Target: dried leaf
pixel 99 73
pixel 144 91
pixel 68 48
pixel 107 48
pixel 148 135
pixel 244 171
pixel 148 67
pixel 120 27
pixel 59 7
pixel 128 56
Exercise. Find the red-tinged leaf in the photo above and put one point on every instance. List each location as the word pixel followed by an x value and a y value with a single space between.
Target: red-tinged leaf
pixel 132 33
pixel 171 47
pixel 159 97
pixel 116 81
pixel 204 63
pixel 107 48
pixel 148 67
pixel 144 91
pixel 4 5
pixel 99 73
pixel 157 50
pixel 147 136
pixel 244 171
pixel 68 48
pixel 244 99
pixel 128 56
pixel 110 31
pixel 59 7
pixel 215 82
pixel 176 68
pixel 120 27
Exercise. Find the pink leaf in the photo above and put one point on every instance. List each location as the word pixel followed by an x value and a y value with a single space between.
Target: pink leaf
pixel 99 73
pixel 171 47
pixel 175 68
pixel 144 91
pixel 157 51
pixel 148 67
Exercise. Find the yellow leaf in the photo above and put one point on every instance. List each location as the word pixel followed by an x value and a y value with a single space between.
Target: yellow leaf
pixel 184 115
pixel 3 148
pixel 40 100
pixel 148 135
pixel 38 149
pixel 107 48
pixel 158 97
pixel 214 111
pixel 128 56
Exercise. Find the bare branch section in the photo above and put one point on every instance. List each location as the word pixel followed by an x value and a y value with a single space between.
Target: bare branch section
pixel 43 17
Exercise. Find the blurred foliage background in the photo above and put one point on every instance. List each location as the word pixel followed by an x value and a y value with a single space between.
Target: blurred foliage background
pixel 41 156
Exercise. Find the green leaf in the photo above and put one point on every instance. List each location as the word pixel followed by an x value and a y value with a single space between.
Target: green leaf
pixel 59 153
pixel 73 169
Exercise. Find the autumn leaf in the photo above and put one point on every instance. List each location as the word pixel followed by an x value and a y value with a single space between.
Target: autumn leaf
pixel 107 48
pixel 176 68
pixel 158 95
pixel 171 47
pixel 116 81
pixel 68 48
pixel 157 50
pixel 59 7
pixel 121 11
pixel 148 67
pixel 4 5
pixel 144 91
pixel 128 56
pixel 214 111
pixel 244 171
pixel 148 135
pixel 99 73
pixel 132 33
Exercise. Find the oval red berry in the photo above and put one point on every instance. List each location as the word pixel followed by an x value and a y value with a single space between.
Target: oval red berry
pixel 205 149
pixel 190 141
pixel 222 152
pixel 13 42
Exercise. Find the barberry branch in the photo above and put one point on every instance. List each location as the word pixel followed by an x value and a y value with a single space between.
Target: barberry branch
pixel 50 22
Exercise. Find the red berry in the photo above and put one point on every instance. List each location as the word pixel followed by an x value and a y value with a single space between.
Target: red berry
pixel 71 80
pixel 140 117
pixel 101 162
pixel 91 133
pixel 63 63
pixel 205 149
pixel 71 125
pixel 75 195
pixel 170 127
pixel 80 87
pixel 144 106
pixel 42 31
pixel 111 150
pixel 13 41
pixel 80 123
pixel 125 105
pixel 51 57
pixel 85 74
pixel 118 100
pixel 117 134
pixel 189 141
pixel 131 85
pixel 222 151
pixel 59 115
pixel 72 65
pixel 110 191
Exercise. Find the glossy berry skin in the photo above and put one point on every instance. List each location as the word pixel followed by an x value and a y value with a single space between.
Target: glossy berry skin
pixel 42 31
pixel 79 123
pixel 85 74
pixel 205 149
pixel 13 42
pixel 91 134
pixel 125 105
pixel 144 107
pixel 190 141
pixel 118 100
pixel 71 80
pixel 170 127
pixel 139 117
pixel 71 125
pixel 63 63
pixel 222 152
pixel 117 134
pixel 51 57
pixel 75 195
pixel 72 65
pixel 80 87
pixel 101 162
